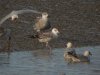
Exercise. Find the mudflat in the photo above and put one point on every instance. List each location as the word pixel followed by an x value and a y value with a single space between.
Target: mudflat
pixel 77 20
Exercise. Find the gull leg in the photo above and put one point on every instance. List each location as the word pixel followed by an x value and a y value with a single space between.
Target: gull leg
pixel 48 46
pixel 9 47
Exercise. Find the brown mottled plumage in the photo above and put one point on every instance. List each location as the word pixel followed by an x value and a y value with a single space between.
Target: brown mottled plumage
pixel 45 37
pixel 72 57
pixel 42 23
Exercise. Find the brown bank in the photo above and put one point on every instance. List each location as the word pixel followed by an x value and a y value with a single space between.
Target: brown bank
pixel 77 20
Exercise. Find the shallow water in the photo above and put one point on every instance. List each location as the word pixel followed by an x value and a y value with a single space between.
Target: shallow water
pixel 78 21
pixel 40 62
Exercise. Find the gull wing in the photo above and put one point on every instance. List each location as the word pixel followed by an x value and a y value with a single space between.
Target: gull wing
pixel 16 12
pixel 6 17
pixel 83 58
pixel 39 24
pixel 27 11
pixel 45 35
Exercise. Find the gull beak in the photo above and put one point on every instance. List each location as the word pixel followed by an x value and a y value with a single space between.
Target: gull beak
pixel 90 53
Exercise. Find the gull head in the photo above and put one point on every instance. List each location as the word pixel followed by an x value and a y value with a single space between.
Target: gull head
pixel 87 53
pixel 44 15
pixel 69 45
pixel 14 16
pixel 55 31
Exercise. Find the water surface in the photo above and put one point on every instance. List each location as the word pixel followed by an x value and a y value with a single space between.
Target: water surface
pixel 40 62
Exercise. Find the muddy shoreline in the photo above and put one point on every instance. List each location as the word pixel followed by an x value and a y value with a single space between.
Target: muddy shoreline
pixel 77 20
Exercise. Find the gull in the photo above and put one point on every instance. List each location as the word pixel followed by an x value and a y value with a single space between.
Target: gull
pixel 70 53
pixel 42 23
pixel 5 35
pixel 14 14
pixel 72 57
pixel 45 37
pixel 70 50
pixel 85 57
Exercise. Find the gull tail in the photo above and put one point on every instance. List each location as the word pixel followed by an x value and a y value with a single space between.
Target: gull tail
pixel 33 36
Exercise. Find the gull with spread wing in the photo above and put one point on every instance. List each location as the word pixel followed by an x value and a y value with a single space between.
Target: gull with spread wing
pixel 14 14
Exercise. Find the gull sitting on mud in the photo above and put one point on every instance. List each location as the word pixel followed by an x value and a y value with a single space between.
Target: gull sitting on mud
pixel 42 23
pixel 45 37
pixel 14 14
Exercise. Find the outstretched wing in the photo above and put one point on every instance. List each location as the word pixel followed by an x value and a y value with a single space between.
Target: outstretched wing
pixel 16 12
pixel 6 17
pixel 27 11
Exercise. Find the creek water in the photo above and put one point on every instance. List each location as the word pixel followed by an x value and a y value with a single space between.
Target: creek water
pixel 40 62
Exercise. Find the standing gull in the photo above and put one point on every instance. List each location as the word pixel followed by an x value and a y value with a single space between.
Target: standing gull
pixel 42 23
pixel 5 40
pixel 14 14
pixel 46 36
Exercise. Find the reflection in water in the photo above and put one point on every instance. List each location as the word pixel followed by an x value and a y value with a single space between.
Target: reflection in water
pixel 4 58
pixel 40 62
pixel 42 54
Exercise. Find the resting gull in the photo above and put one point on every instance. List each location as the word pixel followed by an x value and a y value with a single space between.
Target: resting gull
pixel 42 23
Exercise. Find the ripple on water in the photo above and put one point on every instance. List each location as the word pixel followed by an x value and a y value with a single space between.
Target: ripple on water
pixel 40 62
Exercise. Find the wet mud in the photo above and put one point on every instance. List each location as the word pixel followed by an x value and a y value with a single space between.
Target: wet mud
pixel 77 20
